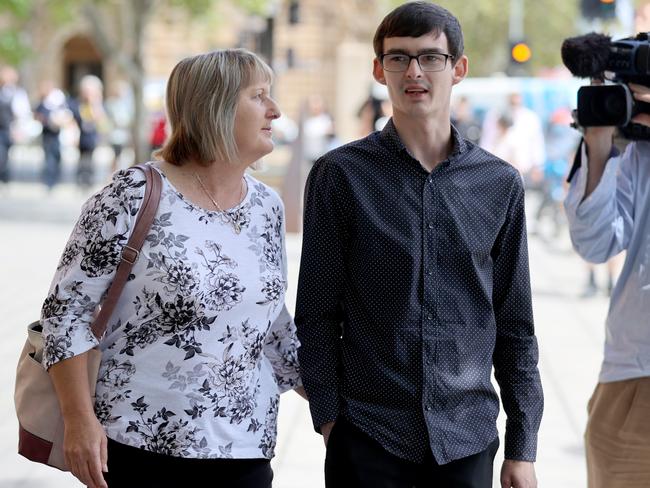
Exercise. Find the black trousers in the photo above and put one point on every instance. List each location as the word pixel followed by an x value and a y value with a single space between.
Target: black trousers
pixel 129 467
pixel 85 168
pixel 52 163
pixel 355 460
pixel 5 144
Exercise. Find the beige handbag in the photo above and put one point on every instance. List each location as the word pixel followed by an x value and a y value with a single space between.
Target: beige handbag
pixel 40 436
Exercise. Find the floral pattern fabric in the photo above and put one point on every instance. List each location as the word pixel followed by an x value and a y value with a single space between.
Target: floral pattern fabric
pixel 200 344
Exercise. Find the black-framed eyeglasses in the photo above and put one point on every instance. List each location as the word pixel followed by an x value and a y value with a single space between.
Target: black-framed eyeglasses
pixel 397 62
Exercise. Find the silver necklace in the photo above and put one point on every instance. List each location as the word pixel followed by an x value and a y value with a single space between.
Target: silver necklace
pixel 233 220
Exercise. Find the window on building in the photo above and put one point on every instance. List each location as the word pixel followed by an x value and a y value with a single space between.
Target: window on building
pixel 294 12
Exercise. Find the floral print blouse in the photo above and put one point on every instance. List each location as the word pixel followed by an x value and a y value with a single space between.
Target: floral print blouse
pixel 200 344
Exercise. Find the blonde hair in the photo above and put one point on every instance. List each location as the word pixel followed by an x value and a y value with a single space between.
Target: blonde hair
pixel 202 96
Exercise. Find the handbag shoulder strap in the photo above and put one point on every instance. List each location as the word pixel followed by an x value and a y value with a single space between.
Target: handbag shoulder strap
pixel 131 252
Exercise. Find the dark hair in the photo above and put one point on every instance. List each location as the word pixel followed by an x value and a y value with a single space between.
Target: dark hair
pixel 505 120
pixel 415 19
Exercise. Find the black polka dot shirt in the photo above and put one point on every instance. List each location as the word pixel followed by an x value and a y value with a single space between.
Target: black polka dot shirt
pixel 412 286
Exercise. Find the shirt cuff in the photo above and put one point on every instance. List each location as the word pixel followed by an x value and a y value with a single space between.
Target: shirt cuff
pixel 324 409
pixel 520 445
pixel 601 194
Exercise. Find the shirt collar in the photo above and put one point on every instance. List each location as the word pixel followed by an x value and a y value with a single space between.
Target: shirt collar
pixel 391 138
pixel 460 145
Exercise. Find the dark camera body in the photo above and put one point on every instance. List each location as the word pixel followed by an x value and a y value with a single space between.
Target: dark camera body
pixel 610 105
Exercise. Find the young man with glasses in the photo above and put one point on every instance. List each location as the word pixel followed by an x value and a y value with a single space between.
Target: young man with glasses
pixel 414 283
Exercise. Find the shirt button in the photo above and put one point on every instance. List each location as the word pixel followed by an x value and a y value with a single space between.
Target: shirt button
pixel 430 225
pixel 429 271
pixel 429 317
pixel 427 408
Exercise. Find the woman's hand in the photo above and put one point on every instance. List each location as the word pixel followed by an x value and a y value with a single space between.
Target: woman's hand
pixel 84 449
pixel 84 439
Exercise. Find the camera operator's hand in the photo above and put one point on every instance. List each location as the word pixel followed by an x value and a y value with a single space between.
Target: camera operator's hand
pixel 598 139
pixel 598 142
pixel 642 94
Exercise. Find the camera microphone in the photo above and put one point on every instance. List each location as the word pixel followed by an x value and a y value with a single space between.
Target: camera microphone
pixel 625 61
pixel 587 56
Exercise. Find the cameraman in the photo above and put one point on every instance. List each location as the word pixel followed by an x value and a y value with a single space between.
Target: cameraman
pixel 608 207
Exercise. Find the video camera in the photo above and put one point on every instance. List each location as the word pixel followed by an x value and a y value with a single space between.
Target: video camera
pixel 625 61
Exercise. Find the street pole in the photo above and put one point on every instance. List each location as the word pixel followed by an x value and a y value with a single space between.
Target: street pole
pixel 515 34
pixel 516 26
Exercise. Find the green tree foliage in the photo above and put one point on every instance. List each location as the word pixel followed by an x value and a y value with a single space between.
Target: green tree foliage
pixel 121 45
pixel 14 15
pixel 547 24
pixel 16 21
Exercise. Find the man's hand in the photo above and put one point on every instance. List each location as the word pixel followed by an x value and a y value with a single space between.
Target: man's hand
pixel 518 474
pixel 301 391
pixel 326 429
pixel 642 94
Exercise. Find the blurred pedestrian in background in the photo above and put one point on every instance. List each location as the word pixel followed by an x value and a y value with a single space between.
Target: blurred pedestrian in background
pixel 527 135
pixel 505 146
pixel 119 108
pixel 561 142
pixel 157 125
pixel 6 118
pixel 386 114
pixel 14 107
pixel 464 119
pixel 318 129
pixel 372 113
pixel 90 115
pixel 54 114
pixel 611 268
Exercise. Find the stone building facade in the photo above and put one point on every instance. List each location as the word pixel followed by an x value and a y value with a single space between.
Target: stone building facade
pixel 318 47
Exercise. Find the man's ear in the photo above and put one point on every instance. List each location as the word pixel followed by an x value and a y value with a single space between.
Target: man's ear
pixel 378 72
pixel 460 70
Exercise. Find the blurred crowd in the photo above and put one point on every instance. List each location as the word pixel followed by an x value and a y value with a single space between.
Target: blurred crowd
pixel 61 122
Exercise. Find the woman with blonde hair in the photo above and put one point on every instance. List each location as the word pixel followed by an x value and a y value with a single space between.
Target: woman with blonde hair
pixel 200 344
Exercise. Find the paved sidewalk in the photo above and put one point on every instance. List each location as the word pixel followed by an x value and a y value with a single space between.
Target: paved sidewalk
pixel 34 226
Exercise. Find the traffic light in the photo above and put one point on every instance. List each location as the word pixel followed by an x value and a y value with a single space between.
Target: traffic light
pixel 520 52
pixel 598 9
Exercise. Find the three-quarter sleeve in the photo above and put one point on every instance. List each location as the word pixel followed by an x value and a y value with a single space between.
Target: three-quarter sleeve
pixel 87 267
pixel 281 349
pixel 281 345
